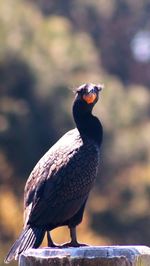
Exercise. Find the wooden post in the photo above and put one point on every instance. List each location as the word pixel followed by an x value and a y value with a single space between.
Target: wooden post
pixel 87 256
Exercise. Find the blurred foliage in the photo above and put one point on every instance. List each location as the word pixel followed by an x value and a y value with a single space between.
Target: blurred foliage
pixel 47 47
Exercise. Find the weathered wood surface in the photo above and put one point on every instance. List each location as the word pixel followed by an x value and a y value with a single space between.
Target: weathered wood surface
pixel 87 256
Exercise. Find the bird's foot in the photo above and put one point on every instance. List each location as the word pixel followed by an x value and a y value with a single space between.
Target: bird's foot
pixel 73 244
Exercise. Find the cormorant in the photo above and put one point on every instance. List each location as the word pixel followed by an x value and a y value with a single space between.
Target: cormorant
pixel 58 187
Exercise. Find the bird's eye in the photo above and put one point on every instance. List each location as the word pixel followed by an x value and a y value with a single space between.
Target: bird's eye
pixel 97 88
pixel 81 91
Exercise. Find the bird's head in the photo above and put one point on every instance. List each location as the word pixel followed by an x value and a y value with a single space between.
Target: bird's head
pixel 88 94
pixel 86 97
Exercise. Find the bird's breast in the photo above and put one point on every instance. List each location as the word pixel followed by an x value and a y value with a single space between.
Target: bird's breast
pixel 78 172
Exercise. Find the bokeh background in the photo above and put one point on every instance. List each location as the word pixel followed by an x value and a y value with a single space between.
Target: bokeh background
pixel 47 47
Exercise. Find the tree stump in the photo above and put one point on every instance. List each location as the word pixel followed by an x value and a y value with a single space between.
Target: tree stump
pixel 87 256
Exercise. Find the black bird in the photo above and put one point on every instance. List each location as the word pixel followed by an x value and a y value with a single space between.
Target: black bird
pixel 58 187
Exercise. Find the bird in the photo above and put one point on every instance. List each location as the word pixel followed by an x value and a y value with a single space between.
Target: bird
pixel 58 187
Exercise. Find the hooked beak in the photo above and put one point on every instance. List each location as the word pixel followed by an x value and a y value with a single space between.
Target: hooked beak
pixel 90 97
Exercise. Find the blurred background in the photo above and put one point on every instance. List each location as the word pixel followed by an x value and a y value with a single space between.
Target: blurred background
pixel 47 48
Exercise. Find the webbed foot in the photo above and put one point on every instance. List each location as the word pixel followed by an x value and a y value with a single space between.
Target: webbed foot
pixel 73 244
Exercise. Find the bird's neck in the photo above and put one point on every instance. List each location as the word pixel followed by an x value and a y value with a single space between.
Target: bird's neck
pixel 87 124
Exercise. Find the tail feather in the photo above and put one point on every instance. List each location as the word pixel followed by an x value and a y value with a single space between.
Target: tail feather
pixel 31 237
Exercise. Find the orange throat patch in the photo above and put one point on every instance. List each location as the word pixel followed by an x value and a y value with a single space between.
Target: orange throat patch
pixel 90 98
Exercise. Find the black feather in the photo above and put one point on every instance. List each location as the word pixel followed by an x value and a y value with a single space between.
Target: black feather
pixel 30 237
pixel 58 187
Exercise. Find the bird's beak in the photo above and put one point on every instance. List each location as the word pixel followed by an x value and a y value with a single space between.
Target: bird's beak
pixel 90 97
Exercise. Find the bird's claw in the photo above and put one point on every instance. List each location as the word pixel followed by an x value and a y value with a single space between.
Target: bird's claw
pixel 72 244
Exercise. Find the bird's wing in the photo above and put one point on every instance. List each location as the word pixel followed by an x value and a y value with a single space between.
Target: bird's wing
pixel 45 181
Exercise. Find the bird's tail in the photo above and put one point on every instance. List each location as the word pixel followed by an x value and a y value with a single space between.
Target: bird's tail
pixel 31 237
